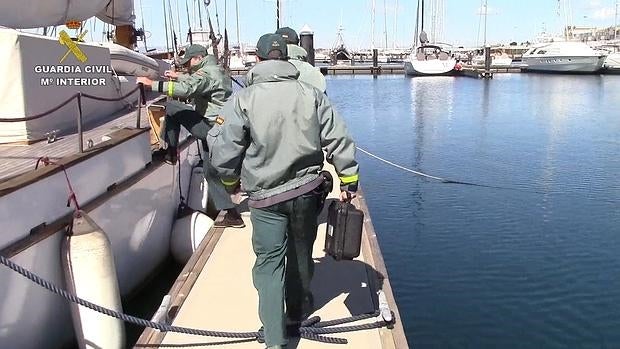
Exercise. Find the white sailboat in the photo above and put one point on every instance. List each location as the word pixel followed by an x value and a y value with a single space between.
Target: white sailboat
pixel 48 87
pixel 427 59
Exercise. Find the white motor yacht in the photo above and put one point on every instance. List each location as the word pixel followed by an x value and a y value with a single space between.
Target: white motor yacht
pixel 564 57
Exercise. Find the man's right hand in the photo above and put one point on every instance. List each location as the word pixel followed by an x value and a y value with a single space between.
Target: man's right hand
pixel 171 74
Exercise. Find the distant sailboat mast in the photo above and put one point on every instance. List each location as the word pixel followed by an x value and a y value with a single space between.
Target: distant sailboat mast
pixel 417 21
pixel 395 23
pixel 616 22
pixel 277 14
pixel 385 24
pixel 486 13
pixel 238 31
pixel 372 25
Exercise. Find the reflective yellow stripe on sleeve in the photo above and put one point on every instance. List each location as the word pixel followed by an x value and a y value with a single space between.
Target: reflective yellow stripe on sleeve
pixel 170 88
pixel 229 183
pixel 350 179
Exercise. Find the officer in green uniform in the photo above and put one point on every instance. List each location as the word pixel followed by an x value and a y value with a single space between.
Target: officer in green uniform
pixel 271 137
pixel 209 87
pixel 297 56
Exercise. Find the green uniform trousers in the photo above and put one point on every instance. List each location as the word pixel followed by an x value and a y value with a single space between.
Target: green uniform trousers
pixel 180 114
pixel 282 239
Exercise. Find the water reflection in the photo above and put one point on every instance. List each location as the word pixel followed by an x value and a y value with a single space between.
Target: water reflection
pixel 477 266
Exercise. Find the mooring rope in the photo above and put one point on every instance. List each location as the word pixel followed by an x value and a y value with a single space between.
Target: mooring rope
pixel 442 180
pixel 305 332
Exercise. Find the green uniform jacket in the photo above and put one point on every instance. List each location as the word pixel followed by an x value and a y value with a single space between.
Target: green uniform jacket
pixel 272 134
pixel 307 73
pixel 208 86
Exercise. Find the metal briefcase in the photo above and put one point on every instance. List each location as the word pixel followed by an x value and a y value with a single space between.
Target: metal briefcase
pixel 343 238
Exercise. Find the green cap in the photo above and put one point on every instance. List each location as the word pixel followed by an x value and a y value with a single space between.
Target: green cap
pixel 289 35
pixel 192 51
pixel 271 42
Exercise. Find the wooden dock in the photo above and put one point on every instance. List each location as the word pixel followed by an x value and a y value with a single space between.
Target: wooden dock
pixel 215 291
pixel 348 69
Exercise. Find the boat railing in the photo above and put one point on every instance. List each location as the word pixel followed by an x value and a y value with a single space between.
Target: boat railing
pixel 79 96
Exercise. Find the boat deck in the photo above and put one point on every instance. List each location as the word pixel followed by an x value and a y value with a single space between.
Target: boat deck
pixel 17 159
pixel 215 291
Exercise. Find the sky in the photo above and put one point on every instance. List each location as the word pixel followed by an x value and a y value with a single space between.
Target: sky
pixel 507 20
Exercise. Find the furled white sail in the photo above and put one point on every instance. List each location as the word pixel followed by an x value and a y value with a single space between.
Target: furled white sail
pixel 24 14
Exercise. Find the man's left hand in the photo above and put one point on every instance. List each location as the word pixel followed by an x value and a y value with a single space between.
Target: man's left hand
pixel 144 80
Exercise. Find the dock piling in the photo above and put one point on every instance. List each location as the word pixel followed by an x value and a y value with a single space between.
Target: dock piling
pixel 375 62
pixel 487 74
pixel 306 40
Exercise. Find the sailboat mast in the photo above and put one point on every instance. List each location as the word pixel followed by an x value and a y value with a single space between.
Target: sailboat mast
pixel 395 23
pixel 417 22
pixel 189 25
pixel 142 20
pixel 486 12
pixel 385 24
pixel 422 14
pixel 166 26
pixel 178 17
pixel 616 22
pixel 277 14
pixel 238 32
pixel 199 15
pixel 372 25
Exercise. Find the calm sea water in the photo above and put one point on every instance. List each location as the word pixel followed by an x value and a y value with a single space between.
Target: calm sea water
pixel 537 266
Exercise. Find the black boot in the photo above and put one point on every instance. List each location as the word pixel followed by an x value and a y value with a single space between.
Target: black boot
pixel 171 156
pixel 231 219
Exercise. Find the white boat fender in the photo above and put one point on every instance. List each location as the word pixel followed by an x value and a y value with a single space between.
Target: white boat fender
pixel 187 234
pixel 191 225
pixel 90 274
pixel 198 191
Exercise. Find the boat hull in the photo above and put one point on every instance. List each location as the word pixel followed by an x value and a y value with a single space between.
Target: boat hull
pixel 429 68
pixel 137 220
pixel 613 61
pixel 564 64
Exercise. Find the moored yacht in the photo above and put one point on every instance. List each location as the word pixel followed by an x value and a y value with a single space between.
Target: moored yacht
pixel 563 57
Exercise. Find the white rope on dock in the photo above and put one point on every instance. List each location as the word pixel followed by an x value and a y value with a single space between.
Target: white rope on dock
pixel 399 166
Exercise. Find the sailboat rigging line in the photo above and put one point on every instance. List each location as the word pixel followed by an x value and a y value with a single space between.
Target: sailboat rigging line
pixel 442 180
pixel 175 46
pixel 238 32
pixel 217 18
pixel 237 82
pixel 166 27
pixel 176 5
pixel 199 15
pixel 189 25
pixel 142 20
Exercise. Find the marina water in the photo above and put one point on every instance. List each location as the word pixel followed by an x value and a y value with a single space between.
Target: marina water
pixel 534 265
